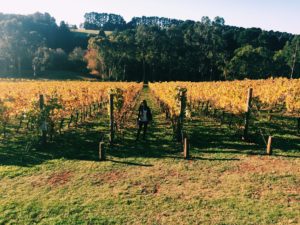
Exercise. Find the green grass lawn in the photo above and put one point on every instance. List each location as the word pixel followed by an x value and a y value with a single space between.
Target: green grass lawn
pixel 227 181
pixel 51 75
pixel 88 32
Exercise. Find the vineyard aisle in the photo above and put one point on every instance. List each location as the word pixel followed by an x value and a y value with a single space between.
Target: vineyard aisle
pixel 159 140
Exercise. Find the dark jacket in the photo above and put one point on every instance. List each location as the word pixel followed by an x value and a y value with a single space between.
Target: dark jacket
pixel 149 114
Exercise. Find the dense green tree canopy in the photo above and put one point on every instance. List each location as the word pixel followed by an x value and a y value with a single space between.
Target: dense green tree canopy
pixel 96 21
pixel 33 42
pixel 147 48
pixel 165 49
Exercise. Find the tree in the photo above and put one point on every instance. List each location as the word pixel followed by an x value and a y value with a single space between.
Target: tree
pixel 41 59
pixel 47 58
pixel 21 36
pixel 96 21
pixel 173 54
pixel 76 58
pixel 291 55
pixel 142 43
pixel 95 57
pixel 124 48
pixel 58 59
pixel 64 37
pixel 280 67
pixel 161 22
pixel 250 62
pixel 13 43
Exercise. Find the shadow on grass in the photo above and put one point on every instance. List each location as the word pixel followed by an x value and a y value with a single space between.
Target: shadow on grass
pixel 75 144
pixel 158 144
pixel 82 144
pixel 214 159
pixel 210 137
pixel 130 163
pixel 206 137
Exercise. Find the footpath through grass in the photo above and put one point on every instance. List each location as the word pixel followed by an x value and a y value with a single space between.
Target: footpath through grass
pixel 147 182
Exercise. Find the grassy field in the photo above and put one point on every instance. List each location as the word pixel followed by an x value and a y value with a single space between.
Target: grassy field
pixel 227 181
pixel 50 75
pixel 88 32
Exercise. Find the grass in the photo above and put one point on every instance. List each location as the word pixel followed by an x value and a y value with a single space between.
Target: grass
pixel 51 75
pixel 227 181
pixel 88 32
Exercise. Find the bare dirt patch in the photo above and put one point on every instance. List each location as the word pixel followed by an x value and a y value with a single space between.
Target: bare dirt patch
pixel 59 178
pixel 107 178
pixel 171 175
pixel 53 180
pixel 263 165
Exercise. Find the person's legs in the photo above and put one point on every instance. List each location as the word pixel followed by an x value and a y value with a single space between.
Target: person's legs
pixel 139 129
pixel 145 130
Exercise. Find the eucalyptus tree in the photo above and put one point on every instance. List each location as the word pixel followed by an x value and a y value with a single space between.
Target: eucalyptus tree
pixel 291 54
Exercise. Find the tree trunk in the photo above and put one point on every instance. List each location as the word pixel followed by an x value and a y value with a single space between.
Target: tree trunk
pixel 144 71
pixel 19 65
pixel 34 71
pixel 294 60
pixel 124 72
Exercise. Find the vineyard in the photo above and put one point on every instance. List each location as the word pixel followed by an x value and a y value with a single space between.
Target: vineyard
pixel 268 97
pixel 31 106
pixel 274 94
pixel 54 106
pixel 54 134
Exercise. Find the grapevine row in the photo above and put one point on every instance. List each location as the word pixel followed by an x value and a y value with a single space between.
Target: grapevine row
pixel 279 94
pixel 71 101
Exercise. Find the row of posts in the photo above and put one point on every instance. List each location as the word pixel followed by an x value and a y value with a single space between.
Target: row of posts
pixel 102 149
pixel 180 124
pixel 246 123
pixel 44 122
pixel 186 144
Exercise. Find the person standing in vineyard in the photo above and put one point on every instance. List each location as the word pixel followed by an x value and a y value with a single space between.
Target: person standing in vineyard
pixel 144 117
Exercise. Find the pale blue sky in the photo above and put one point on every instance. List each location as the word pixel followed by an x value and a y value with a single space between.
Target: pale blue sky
pixel 281 15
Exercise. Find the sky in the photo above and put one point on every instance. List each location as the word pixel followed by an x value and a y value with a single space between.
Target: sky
pixel 278 15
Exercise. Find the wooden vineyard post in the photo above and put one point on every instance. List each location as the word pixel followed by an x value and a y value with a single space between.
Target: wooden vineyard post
pixel 43 120
pixel 247 114
pixel 182 106
pixel 77 118
pixel 206 109
pixel 223 117
pixel 101 151
pixel 298 125
pixel 186 149
pixel 70 121
pixel 269 146
pixel 100 103
pixel 111 117
pixel 61 125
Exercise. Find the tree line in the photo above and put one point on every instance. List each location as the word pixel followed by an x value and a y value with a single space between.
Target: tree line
pixel 105 21
pixel 36 42
pixel 155 49
pixel 147 48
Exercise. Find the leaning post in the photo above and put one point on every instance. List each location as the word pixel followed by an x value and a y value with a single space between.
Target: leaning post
pixel 43 120
pixel 269 146
pixel 186 148
pixel 111 116
pixel 247 114
pixel 102 155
